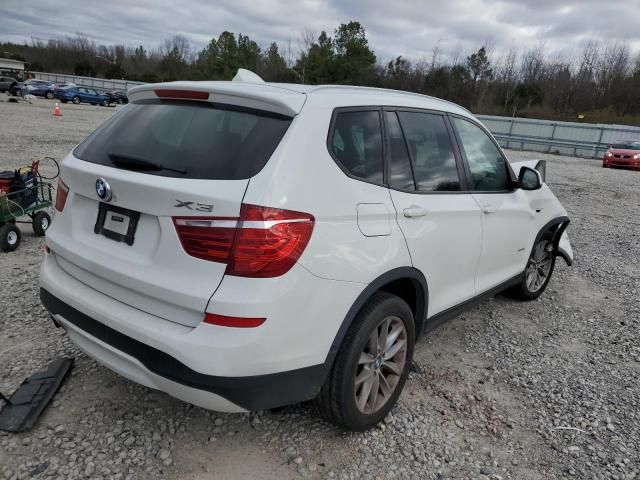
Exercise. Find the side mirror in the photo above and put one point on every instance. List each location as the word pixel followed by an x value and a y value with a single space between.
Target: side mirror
pixel 529 179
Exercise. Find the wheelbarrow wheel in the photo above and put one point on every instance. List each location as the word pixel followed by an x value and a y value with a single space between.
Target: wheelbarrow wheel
pixel 10 237
pixel 40 223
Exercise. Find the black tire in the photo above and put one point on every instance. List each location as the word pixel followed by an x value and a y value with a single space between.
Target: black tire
pixel 76 100
pixel 40 223
pixel 336 402
pixel 524 291
pixel 105 103
pixel 120 101
pixel 49 95
pixel 10 237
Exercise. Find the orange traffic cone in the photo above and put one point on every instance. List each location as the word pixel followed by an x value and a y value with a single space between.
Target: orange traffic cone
pixel 56 111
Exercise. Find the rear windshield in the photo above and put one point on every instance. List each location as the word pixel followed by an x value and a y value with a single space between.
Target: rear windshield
pixel 186 140
pixel 627 146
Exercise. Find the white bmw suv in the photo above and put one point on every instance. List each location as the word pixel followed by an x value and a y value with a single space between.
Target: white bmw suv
pixel 245 245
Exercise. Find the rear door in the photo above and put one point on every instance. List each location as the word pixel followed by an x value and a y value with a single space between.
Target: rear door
pixel 167 166
pixel 82 93
pixel 508 218
pixel 440 220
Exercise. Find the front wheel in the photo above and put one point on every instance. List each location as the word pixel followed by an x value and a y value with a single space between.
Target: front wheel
pixel 105 103
pixel 10 237
pixel 49 95
pixel 372 365
pixel 538 272
pixel 76 100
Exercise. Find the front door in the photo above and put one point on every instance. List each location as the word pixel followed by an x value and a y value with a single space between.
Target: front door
pixel 508 219
pixel 441 223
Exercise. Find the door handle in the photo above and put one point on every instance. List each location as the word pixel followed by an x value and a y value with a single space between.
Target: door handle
pixel 415 211
pixel 489 209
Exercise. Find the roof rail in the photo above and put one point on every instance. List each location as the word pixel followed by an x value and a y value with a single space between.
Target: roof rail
pixel 388 90
pixel 248 76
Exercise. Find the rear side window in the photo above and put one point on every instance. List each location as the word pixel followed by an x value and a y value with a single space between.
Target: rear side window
pixel 187 140
pixel 431 151
pixel 356 143
pixel 400 171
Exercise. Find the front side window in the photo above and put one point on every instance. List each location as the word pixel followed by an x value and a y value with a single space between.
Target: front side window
pixel 431 150
pixel 356 143
pixel 489 171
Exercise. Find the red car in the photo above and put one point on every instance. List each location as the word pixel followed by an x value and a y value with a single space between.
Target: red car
pixel 623 154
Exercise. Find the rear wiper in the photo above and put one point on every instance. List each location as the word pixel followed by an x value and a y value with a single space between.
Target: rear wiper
pixel 136 163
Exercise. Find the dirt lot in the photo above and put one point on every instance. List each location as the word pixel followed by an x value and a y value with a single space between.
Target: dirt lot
pixel 541 390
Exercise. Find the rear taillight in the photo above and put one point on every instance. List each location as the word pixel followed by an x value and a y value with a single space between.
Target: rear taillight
pixel 263 242
pixel 61 195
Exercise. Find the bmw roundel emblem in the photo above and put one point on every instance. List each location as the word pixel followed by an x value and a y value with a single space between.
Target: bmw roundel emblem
pixel 103 189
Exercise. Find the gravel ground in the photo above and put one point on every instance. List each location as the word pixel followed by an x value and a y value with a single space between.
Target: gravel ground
pixel 541 390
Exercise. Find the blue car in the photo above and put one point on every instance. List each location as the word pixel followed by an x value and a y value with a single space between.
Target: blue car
pixel 40 88
pixel 81 95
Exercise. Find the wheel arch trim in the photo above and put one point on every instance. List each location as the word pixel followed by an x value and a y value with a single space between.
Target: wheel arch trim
pixel 400 273
pixel 556 226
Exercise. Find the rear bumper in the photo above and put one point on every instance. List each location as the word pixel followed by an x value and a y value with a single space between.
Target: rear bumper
pixel 281 362
pixel 156 369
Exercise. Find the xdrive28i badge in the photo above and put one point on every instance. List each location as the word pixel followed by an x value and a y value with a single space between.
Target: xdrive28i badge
pixel 103 190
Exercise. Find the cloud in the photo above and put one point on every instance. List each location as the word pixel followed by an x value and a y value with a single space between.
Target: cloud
pixel 411 28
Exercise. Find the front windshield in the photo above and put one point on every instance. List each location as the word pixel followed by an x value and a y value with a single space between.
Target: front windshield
pixel 626 146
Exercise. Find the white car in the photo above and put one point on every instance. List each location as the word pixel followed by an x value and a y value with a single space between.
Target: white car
pixel 245 245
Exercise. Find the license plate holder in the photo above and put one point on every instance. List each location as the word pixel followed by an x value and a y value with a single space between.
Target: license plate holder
pixel 116 223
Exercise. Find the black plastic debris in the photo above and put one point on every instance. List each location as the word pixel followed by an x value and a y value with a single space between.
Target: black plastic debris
pixel 27 403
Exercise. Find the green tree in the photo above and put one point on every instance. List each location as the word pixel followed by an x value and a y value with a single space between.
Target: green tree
pixel 317 66
pixel 225 64
pixel 354 59
pixel 248 53
pixel 273 67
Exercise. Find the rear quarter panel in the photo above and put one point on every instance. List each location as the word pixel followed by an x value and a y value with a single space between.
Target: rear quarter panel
pixel 303 176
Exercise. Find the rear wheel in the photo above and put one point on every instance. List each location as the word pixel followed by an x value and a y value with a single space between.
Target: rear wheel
pixel 372 365
pixel 538 272
pixel 10 237
pixel 40 223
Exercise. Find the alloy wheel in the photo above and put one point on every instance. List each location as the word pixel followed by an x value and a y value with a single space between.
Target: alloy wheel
pixel 380 365
pixel 539 266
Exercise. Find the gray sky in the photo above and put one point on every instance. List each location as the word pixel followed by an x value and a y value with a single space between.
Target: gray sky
pixel 410 27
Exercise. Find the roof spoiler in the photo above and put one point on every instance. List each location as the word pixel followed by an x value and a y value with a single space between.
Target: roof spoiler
pixel 246 90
